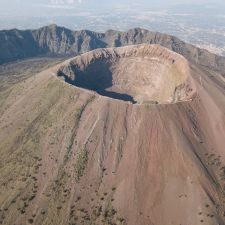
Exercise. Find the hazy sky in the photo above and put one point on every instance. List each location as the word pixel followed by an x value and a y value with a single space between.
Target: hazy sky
pixel 23 7
pixel 74 13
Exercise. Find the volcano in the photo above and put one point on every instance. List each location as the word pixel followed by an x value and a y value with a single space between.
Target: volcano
pixel 131 135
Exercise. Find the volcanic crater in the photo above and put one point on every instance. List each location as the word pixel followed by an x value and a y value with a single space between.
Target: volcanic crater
pixel 139 74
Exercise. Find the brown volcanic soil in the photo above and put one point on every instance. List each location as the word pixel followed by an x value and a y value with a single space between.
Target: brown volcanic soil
pixel 72 156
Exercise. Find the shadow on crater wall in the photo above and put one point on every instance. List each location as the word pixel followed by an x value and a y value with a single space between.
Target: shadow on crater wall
pixel 96 77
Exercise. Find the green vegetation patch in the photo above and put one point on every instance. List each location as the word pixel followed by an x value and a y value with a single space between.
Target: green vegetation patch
pixel 80 111
pixel 81 162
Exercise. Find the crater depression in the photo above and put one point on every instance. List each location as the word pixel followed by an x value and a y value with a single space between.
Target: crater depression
pixel 137 73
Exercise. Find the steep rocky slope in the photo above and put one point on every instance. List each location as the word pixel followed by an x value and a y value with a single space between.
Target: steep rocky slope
pixel 72 156
pixel 54 40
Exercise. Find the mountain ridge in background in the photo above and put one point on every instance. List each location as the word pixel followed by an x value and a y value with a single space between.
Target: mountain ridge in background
pixel 54 40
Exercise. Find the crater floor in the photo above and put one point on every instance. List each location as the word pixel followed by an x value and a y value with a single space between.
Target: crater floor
pixel 138 73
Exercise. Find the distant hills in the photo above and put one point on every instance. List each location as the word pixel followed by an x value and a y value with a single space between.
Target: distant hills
pixel 54 40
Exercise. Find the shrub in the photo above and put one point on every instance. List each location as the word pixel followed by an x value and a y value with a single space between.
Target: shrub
pixel 30 220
